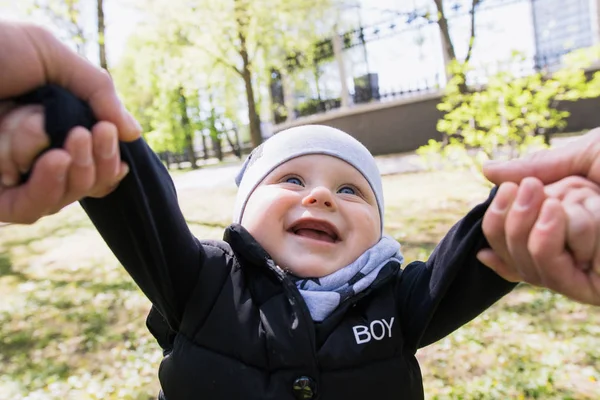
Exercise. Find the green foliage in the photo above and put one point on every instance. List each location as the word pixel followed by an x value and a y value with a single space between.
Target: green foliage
pixel 65 17
pixel 153 77
pixel 221 53
pixel 511 114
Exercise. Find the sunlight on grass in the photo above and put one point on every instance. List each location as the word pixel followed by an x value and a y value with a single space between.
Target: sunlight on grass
pixel 72 323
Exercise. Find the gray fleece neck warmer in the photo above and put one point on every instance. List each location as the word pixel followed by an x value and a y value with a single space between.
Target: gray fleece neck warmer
pixel 301 141
pixel 323 295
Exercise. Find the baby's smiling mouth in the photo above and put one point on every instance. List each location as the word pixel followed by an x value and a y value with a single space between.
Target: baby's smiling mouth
pixel 315 229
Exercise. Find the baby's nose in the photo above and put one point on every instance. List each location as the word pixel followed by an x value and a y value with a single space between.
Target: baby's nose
pixel 319 196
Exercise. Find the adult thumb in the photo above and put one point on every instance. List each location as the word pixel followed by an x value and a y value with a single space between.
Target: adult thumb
pixel 581 156
pixel 33 57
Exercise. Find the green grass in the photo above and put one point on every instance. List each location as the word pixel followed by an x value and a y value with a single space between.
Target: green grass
pixel 72 323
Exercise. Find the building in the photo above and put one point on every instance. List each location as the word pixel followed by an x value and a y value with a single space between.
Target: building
pixel 561 26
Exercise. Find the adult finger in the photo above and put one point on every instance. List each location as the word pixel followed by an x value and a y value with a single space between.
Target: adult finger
pixel 557 267
pixel 519 221
pixel 579 157
pixel 32 56
pixel 106 156
pixel 592 205
pixel 104 191
pixel 28 202
pixel 490 259
pixel 494 220
pixel 82 172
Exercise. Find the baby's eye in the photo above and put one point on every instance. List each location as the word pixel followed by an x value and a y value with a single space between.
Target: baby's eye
pixel 347 190
pixel 294 180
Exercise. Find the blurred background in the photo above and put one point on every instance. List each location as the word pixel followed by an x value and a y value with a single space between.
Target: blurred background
pixel 432 87
pixel 213 79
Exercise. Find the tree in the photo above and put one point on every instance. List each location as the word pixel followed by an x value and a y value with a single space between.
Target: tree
pixel 453 64
pixel 448 44
pixel 214 51
pixel 511 114
pixel 240 35
pixel 157 80
pixel 101 34
pixel 69 20
pixel 439 16
pixel 66 16
pixel 185 107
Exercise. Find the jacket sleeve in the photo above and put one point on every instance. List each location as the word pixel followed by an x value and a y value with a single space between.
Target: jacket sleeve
pixel 144 227
pixel 450 289
pixel 141 220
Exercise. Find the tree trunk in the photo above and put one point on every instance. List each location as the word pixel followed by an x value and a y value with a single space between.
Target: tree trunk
pixel 216 145
pixel 234 147
pixel 101 35
pixel 255 133
pixel 246 72
pixel 204 148
pixel 237 141
pixel 445 29
pixel 169 160
pixel 450 53
pixel 447 39
pixel 188 131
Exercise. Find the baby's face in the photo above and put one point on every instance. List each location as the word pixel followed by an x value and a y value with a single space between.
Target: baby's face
pixel 314 215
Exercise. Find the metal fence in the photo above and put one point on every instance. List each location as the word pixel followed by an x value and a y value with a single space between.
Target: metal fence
pixel 402 55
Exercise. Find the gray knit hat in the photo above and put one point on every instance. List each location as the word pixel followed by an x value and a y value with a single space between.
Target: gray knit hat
pixel 301 141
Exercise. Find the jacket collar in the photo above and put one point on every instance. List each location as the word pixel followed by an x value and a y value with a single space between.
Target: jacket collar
pixel 248 249
pixel 244 244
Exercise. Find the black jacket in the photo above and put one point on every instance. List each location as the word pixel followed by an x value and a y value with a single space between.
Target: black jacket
pixel 233 326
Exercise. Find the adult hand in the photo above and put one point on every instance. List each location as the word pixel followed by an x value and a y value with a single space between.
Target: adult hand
pixel 88 166
pixel 579 157
pixel 547 236
pixel 32 57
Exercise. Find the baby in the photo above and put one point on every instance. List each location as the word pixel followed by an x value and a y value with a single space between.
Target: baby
pixel 305 297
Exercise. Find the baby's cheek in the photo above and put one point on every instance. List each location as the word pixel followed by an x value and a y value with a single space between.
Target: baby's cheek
pixel 368 222
pixel 265 214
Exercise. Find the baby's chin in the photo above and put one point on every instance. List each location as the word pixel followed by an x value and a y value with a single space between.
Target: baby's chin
pixel 310 271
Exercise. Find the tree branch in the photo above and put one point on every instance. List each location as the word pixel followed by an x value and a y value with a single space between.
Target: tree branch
pixel 472 37
pixel 443 24
pixel 220 60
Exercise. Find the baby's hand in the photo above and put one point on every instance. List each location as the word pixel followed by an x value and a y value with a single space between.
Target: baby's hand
pixel 547 236
pixel 580 200
pixel 89 165
pixel 22 138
